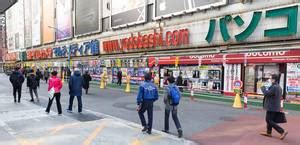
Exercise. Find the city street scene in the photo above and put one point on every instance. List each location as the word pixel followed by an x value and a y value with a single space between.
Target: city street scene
pixel 149 72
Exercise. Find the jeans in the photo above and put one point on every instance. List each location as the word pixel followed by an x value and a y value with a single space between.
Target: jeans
pixel 79 100
pixel 31 91
pixel 271 124
pixel 146 106
pixel 57 98
pixel 15 90
pixel 173 109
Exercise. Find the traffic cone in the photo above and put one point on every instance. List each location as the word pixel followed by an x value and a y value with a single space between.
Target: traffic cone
pixel 237 101
pixel 245 101
pixel 127 90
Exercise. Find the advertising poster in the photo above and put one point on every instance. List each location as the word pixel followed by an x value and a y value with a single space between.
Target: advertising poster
pixel 232 72
pixel 19 24
pixel 63 19
pixel 293 83
pixel 87 18
pixel 48 21
pixel 10 30
pixel 168 7
pixel 293 78
pixel 27 23
pixel 127 12
pixel 36 22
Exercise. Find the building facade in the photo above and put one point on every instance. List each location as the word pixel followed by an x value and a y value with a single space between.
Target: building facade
pixel 211 43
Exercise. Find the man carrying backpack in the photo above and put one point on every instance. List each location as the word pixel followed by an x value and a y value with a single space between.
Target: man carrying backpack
pixel 16 79
pixel 147 94
pixel 171 100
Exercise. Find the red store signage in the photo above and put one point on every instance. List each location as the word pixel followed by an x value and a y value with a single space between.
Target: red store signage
pixel 39 54
pixel 11 56
pixel 187 60
pixel 148 41
pixel 288 56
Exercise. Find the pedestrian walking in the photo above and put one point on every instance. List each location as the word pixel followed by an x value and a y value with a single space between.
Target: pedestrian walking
pixel 75 86
pixel 32 85
pixel 86 81
pixel 17 80
pixel 56 84
pixel 147 95
pixel 119 75
pixel 179 82
pixel 39 76
pixel 272 105
pixel 171 100
pixel 46 75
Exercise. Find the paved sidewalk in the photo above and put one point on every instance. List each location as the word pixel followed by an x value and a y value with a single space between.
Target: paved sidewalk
pixel 26 123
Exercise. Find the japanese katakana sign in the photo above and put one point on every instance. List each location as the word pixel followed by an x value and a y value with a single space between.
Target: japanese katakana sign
pixel 291 14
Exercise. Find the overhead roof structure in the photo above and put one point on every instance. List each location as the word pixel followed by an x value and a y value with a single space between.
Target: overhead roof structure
pixel 5 4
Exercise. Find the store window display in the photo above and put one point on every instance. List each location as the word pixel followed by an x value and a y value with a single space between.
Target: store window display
pixel 258 74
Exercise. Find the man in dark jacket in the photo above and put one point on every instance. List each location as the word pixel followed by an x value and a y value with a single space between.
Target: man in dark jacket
pixel 75 86
pixel 16 79
pixel 179 82
pixel 32 84
pixel 272 105
pixel 119 75
pixel 148 93
pixel 86 81
pixel 39 76
pixel 46 75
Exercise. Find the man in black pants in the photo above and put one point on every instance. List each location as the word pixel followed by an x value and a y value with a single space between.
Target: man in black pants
pixel 119 75
pixel 169 107
pixel 147 94
pixel 16 79
pixel 272 100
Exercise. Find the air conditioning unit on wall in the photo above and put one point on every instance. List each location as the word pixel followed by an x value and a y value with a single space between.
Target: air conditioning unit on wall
pixel 246 1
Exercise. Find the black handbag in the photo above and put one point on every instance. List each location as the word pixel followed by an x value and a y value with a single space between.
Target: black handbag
pixel 280 117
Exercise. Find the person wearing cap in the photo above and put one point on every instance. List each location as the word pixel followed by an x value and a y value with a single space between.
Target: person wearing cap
pixel 272 104
pixel 147 95
pixel 75 89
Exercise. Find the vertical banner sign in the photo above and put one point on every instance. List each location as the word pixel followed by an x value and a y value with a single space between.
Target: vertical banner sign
pixel 27 23
pixel 10 30
pixel 48 21
pixel 36 22
pixel 128 12
pixel 19 22
pixel 176 61
pixel 63 19
pixel 87 18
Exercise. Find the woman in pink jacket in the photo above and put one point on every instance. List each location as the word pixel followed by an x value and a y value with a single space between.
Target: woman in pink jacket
pixel 55 83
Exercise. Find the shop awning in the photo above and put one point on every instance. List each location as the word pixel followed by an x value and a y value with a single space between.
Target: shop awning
pixel 286 56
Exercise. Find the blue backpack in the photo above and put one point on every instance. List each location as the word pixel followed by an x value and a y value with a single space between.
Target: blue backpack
pixel 175 95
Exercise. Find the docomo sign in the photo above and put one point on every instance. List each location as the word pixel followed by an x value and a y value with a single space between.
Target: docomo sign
pixel 172 38
pixel 39 54
pixel 263 54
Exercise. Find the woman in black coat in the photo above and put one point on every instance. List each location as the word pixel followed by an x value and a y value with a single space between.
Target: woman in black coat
pixel 86 81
